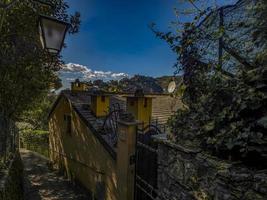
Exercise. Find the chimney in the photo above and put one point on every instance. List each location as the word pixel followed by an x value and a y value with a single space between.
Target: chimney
pixel 140 106
pixel 100 103
pixel 77 85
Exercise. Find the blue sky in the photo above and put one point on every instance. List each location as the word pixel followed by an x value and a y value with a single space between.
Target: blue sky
pixel 114 36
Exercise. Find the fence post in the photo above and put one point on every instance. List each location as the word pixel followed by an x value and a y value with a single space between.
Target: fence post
pixel 126 159
pixel 5 132
pixel 221 24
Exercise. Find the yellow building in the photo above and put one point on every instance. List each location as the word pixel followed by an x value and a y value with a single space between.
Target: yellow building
pixel 140 107
pixel 77 85
pixel 100 104
pixel 79 147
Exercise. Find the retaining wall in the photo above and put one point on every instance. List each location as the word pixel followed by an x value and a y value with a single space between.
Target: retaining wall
pixel 185 174
pixel 11 180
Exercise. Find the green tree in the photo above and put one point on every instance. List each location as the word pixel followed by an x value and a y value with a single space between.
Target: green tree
pixel 37 115
pixel 26 69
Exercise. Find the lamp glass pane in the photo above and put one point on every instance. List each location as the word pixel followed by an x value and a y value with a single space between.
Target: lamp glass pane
pixel 53 34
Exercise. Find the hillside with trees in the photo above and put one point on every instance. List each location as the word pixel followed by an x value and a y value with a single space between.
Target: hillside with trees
pixel 129 85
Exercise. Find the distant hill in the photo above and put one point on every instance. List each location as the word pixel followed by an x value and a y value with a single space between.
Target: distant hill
pixel 147 83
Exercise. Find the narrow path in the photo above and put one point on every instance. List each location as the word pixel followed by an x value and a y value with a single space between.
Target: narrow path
pixel 40 183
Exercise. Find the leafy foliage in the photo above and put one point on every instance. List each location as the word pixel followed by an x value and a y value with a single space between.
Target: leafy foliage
pixel 35 140
pixel 27 70
pixel 226 112
pixel 229 120
pixel 37 115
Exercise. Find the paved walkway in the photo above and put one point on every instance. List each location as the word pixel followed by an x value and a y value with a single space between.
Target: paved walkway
pixel 40 183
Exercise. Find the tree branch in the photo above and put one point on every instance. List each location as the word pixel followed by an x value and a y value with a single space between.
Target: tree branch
pixel 7 5
pixel 195 6
pixel 237 56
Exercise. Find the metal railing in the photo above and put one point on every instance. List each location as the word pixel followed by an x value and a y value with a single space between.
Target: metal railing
pixel 225 36
pixel 146 163
pixel 110 125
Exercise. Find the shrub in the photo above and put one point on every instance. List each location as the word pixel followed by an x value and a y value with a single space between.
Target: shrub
pixel 230 119
pixel 35 140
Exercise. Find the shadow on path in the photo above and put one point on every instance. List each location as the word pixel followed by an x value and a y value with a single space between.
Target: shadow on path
pixel 42 183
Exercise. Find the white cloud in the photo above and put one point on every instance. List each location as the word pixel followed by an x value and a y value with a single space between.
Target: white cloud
pixel 71 67
pixel 70 79
pixel 88 74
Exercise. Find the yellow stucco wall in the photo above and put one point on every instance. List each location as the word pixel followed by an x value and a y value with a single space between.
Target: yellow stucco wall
pixel 100 106
pixel 81 154
pixel 141 108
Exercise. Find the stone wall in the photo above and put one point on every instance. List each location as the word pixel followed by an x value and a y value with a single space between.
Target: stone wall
pixel 11 180
pixel 186 174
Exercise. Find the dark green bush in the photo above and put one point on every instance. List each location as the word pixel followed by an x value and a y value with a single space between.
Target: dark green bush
pixel 230 120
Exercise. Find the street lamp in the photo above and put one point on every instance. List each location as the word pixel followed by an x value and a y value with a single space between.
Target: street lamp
pixel 52 33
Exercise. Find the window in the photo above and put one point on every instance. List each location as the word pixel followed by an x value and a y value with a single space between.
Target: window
pixel 67 119
pixel 145 104
pixel 103 98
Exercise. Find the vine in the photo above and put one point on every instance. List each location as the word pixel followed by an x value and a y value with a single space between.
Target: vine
pixel 226 110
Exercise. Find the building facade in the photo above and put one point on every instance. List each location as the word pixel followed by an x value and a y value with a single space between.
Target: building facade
pixel 81 146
